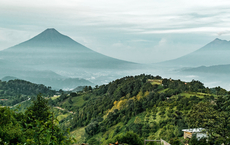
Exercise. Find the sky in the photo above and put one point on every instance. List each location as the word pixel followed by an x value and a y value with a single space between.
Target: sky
pixel 146 31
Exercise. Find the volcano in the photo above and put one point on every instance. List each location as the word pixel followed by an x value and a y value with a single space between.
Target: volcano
pixel 53 50
pixel 54 59
pixel 216 52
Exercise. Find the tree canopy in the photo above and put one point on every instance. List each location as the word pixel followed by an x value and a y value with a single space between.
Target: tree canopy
pixel 37 126
pixel 214 117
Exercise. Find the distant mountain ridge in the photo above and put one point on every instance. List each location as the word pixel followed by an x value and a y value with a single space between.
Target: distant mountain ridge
pixel 56 60
pixel 217 44
pixel 216 52
pixel 7 78
pixel 47 78
pixel 49 37
pixel 215 69
pixel 51 49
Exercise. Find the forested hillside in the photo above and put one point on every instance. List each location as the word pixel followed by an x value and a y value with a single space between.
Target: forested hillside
pixel 150 106
pixel 128 110
pixel 36 126
pixel 15 91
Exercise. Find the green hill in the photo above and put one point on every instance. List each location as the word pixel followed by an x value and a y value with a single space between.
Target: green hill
pixel 16 91
pixel 135 107
pixel 150 106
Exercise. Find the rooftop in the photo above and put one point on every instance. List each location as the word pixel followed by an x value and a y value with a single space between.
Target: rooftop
pixel 194 130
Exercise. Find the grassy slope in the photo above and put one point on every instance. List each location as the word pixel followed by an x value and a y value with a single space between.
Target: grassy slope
pixel 190 94
pixel 78 101
pixel 21 107
pixel 60 114
pixel 148 117
pixel 78 134
pixel 55 97
pixel 155 81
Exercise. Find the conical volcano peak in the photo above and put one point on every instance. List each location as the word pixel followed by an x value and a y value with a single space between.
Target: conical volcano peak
pixel 50 39
pixel 50 31
pixel 218 40
pixel 51 50
pixel 50 36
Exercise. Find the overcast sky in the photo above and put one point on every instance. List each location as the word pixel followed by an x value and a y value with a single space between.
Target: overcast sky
pixel 145 31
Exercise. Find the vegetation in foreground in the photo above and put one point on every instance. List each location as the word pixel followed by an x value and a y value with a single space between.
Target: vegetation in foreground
pixel 132 109
pixel 37 126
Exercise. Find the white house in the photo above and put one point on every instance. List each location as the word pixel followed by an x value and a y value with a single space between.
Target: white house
pixel 199 132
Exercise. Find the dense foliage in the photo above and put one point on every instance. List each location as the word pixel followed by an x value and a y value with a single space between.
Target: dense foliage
pixel 150 106
pixel 214 117
pixel 37 126
pixel 131 109
pixel 15 91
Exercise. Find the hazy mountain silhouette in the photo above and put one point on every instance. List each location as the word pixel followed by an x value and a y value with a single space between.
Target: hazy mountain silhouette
pixel 215 69
pixel 50 49
pixel 51 58
pixel 216 52
pixel 7 78
pixel 47 78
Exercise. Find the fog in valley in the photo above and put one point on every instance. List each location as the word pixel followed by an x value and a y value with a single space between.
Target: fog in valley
pixel 56 60
pixel 77 44
pixel 111 72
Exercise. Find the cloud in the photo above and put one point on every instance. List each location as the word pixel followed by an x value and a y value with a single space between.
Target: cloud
pixel 162 42
pixel 2 37
pixel 147 16
pixel 129 26
pixel 163 46
pixel 223 32
pixel 10 37
pixel 119 44
pixel 216 30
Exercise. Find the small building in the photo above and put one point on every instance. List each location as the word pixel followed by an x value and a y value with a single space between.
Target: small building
pixel 116 143
pixel 198 132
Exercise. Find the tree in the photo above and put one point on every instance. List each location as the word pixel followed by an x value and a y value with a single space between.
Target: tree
pixel 10 129
pixel 214 118
pixel 152 143
pixel 137 120
pixel 129 138
pixel 39 110
pixel 85 89
pixel 174 141
pixel 195 141
pixel 90 88
pixel 93 141
pixel 92 128
pixel 40 125
pixel 37 126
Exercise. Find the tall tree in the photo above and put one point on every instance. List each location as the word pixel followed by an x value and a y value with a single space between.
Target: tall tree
pixel 40 125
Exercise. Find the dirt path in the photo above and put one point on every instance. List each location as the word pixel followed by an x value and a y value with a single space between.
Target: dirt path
pixel 20 103
pixel 64 109
pixel 16 104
